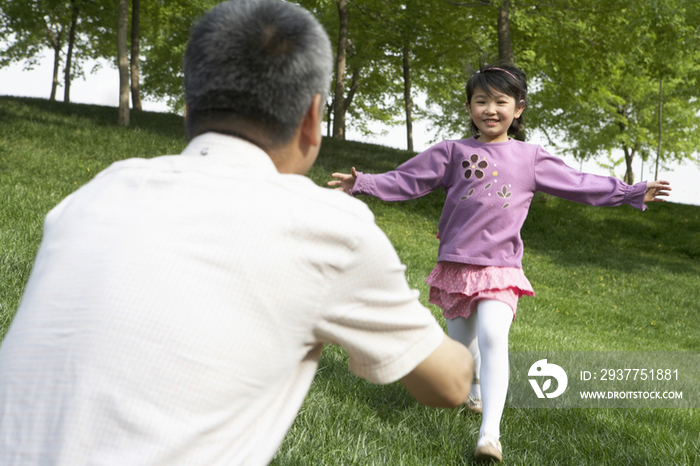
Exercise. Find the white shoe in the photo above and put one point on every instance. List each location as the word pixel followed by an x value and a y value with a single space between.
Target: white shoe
pixel 488 449
pixel 473 404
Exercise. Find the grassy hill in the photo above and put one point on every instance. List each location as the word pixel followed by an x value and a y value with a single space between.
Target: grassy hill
pixel 607 279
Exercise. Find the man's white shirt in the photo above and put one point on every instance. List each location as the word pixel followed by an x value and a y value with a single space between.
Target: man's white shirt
pixel 177 308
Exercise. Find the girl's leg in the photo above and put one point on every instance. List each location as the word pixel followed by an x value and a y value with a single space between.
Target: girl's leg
pixel 465 331
pixel 494 322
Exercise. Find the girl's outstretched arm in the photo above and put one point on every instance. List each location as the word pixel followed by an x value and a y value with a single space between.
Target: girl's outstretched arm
pixel 655 189
pixel 553 176
pixel 414 178
pixel 344 181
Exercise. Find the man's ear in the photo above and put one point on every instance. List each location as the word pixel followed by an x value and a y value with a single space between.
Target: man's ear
pixel 311 124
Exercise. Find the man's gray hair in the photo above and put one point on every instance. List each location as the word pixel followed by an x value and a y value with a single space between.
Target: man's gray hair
pixel 259 60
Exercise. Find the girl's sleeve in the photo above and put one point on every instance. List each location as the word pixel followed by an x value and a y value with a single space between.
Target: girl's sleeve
pixel 414 178
pixel 553 176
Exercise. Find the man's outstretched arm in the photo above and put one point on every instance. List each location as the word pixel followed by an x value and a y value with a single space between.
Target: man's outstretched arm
pixel 444 378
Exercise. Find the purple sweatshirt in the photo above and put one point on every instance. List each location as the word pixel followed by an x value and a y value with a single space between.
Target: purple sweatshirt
pixel 489 189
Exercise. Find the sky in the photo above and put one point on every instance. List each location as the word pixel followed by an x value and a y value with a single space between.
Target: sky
pixel 102 88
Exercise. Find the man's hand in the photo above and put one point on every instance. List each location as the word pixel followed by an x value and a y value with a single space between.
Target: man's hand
pixel 655 189
pixel 444 378
pixel 345 182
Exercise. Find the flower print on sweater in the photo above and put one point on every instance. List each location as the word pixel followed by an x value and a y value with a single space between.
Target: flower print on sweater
pixel 476 167
pixel 504 194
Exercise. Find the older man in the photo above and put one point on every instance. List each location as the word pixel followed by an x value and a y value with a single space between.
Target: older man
pixel 177 306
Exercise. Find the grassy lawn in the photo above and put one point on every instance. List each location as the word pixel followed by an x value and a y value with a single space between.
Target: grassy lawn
pixel 609 279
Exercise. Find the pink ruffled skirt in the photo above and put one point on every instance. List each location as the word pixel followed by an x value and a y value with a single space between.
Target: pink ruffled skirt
pixel 457 288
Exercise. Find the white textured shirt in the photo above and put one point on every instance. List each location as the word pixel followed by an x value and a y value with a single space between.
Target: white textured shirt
pixel 177 309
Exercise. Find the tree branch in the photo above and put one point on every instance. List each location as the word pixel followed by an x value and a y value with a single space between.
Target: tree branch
pixel 353 88
pixel 470 5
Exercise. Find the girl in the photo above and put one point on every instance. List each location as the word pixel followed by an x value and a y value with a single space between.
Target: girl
pixel 489 180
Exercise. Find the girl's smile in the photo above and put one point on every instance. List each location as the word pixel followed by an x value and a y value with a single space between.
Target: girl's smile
pixel 493 114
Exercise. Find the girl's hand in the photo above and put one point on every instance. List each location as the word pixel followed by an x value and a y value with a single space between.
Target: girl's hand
pixel 344 181
pixel 655 189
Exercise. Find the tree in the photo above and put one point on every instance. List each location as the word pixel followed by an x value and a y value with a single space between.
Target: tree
pixel 69 54
pixel 459 35
pixel 340 61
pixel 420 41
pixel 55 36
pixel 608 97
pixel 505 47
pixel 411 30
pixel 502 9
pixel 407 97
pixel 135 40
pixel 361 96
pixel 165 28
pixel 123 62
pixel 673 61
pixel 32 26
pixel 29 27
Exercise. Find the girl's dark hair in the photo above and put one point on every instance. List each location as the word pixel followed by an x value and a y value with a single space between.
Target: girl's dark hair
pixel 504 78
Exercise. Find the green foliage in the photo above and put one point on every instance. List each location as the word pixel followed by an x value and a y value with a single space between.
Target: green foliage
pixel 29 27
pixel 468 38
pixel 606 279
pixel 597 85
pixel 595 65
pixel 441 38
pixel 165 29
pixel 376 86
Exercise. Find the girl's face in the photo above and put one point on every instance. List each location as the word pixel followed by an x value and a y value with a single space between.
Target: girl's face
pixel 493 114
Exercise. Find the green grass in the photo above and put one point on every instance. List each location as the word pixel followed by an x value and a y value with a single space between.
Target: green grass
pixel 606 279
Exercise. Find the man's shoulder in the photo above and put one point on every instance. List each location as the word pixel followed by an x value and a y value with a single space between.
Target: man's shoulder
pixel 326 201
pixel 138 163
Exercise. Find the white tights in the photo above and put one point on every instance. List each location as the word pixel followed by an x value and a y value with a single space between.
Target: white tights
pixel 485 333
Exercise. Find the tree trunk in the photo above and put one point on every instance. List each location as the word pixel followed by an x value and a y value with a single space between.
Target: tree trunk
pixel 658 152
pixel 505 48
pixel 628 151
pixel 351 94
pixel 123 62
pixel 629 172
pixel 329 115
pixel 408 102
pixel 56 45
pixel 339 113
pixel 69 54
pixel 135 36
pixel 353 88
